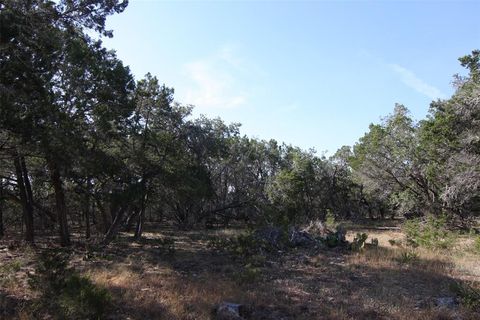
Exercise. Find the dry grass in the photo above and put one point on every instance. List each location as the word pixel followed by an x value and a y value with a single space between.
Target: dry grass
pixel 148 282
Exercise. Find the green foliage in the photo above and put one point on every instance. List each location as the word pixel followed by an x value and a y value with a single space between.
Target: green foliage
pixel 358 242
pixel 66 293
pixel 469 295
pixel 431 233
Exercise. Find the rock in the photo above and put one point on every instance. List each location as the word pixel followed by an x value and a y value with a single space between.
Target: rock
pixel 446 302
pixel 229 311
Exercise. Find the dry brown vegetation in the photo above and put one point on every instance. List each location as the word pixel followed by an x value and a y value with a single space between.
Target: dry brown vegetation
pixel 149 280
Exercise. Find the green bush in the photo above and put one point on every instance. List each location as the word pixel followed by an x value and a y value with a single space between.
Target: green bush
pixel 64 292
pixel 431 233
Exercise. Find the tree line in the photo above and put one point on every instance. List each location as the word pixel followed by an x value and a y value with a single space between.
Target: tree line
pixel 86 149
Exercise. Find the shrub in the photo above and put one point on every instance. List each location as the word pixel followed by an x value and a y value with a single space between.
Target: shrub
pixel 431 233
pixel 64 292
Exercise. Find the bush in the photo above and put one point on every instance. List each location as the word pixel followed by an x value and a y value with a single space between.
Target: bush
pixel 66 293
pixel 431 233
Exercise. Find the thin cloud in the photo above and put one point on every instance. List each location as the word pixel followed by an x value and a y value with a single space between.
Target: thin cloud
pixel 214 81
pixel 411 80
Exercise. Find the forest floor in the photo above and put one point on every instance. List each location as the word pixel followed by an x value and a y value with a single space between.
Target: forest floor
pixel 184 277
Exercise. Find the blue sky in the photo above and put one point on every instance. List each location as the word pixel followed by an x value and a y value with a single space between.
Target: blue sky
pixel 313 74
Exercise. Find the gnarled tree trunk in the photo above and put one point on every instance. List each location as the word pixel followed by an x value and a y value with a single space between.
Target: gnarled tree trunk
pixel 27 206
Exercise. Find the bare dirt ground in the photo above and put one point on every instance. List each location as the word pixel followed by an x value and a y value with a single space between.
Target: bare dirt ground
pixel 155 279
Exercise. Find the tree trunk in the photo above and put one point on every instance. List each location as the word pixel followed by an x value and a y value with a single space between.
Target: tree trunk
pixel 128 224
pixel 26 201
pixel 1 210
pixel 61 207
pixel 113 230
pixel 103 217
pixel 87 211
pixel 87 221
pixel 141 215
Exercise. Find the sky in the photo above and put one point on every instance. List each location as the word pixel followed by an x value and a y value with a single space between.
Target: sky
pixel 313 74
